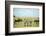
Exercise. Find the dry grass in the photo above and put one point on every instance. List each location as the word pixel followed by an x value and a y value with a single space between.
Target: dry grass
pixel 26 22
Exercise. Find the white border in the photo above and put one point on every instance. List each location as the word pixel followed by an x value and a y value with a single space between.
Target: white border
pixel 25 29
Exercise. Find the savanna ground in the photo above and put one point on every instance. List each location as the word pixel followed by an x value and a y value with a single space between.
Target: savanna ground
pixel 21 22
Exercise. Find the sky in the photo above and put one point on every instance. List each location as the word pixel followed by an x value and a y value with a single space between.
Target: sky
pixel 25 12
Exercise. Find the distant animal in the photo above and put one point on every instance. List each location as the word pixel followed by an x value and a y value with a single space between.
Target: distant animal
pixel 27 23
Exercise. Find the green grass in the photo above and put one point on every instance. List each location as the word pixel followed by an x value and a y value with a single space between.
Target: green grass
pixel 22 24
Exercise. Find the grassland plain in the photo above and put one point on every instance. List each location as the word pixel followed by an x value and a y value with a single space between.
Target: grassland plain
pixel 25 21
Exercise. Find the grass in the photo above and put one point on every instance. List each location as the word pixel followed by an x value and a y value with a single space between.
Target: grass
pixel 21 22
